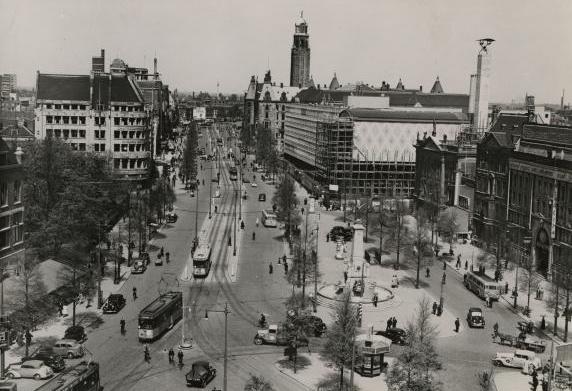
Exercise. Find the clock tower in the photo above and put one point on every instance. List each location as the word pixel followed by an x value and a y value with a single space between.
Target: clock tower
pixel 300 55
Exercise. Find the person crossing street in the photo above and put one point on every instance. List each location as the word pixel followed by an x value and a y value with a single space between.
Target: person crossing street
pixel 457 325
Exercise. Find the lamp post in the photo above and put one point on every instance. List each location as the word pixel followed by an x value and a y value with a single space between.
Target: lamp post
pixel 225 311
pixel 442 297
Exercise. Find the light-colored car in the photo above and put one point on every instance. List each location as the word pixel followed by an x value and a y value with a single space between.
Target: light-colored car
pixel 68 348
pixel 523 359
pixel 138 267
pixel 33 369
pixel 253 184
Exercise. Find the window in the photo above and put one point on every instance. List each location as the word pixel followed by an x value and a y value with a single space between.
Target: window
pixel 4 222
pixel 17 191
pixel 117 147
pixel 117 134
pixel 101 147
pixel 81 146
pixel 74 133
pixel 66 134
pixel 100 134
pixel 66 107
pixel 82 120
pixel 116 121
pixel 4 239
pixel 58 107
pixel 116 163
pixel 49 106
pixel 3 194
pixel 82 133
pixel 49 119
pixel 74 120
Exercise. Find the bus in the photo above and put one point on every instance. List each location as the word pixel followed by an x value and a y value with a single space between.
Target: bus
pixel 269 218
pixel 233 172
pixel 202 260
pixel 482 285
pixel 160 315
pixel 81 377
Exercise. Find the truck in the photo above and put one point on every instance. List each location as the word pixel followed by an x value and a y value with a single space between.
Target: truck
pixel 278 334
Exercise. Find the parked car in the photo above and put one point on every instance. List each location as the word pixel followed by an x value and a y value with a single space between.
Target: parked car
pixel 344 232
pixel 158 261
pixel 398 336
pixel 254 184
pixel 32 369
pixel 313 325
pixel 49 358
pixel 200 375
pixel 68 348
pixel 172 217
pixel 518 359
pixel 113 304
pixel 76 333
pixel 138 267
pixel 262 197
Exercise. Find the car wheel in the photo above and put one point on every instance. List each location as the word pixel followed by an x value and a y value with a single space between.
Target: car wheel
pixel 70 355
pixel 497 363
pixel 258 341
pixel 10 375
pixel 37 377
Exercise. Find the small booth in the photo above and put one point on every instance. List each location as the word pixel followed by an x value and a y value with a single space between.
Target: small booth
pixel 370 360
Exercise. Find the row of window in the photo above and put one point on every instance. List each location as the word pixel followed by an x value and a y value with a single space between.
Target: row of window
pixel 129 147
pixel 99 134
pixel 66 133
pixel 11 220
pixel 129 163
pixel 65 119
pixel 127 121
pixel 10 237
pixel 128 108
pixel 16 193
pixel 64 106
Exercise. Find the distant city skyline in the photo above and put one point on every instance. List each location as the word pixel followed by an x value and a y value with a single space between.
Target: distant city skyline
pixel 201 43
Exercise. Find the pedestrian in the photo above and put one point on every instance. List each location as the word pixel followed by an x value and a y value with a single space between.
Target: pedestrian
pixel 270 268
pixel 534 381
pixel 457 325
pixel 444 265
pixel 180 355
pixel 506 288
pixel 444 278
pixel 394 322
pixel 328 237
pixel 375 300
pixel 134 293
pixel 345 277
pixel 427 272
pixel 544 385
pixel 388 324
pixel 496 328
pixel 285 268
pixel 434 307
pixel 171 356
pixel 466 265
pixel 254 236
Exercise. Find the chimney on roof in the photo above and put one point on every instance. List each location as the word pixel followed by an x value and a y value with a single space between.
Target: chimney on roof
pixel 281 85
pixel 155 75
pixel 420 88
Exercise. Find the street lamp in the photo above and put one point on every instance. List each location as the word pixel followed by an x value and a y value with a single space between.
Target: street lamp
pixel 442 298
pixel 225 311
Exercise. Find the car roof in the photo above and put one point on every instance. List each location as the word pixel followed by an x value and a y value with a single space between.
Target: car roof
pixel 475 309
pixel 34 362
pixel 73 341
pixel 115 295
pixel 525 353
pixel 202 363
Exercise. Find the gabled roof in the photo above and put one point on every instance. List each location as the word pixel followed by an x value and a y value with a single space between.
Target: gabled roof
pixel 509 122
pixel 437 88
pixel 16 131
pixel 123 89
pixel 411 99
pixel 63 87
pixel 389 115
pixel 314 95
pixel 275 93
pixel 334 84
pixel 548 134
pixel 499 138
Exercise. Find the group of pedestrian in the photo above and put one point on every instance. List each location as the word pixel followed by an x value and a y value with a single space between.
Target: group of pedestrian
pixel 437 309
pixel 539 379
pixel 180 356
pixel 391 323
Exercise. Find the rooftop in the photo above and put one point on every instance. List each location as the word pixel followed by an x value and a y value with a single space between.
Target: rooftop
pixel 391 115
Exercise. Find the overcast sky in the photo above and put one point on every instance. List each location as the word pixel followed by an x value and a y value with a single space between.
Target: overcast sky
pixel 201 42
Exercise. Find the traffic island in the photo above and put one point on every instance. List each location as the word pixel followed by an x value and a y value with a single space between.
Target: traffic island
pixel 336 291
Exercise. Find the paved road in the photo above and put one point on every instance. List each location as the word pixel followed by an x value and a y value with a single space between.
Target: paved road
pixel 121 357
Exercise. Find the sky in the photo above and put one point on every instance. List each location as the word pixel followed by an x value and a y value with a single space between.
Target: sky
pixel 200 43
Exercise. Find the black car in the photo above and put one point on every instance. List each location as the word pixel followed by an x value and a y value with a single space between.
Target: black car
pixel 200 375
pixel 344 232
pixel 262 197
pixel 114 304
pixel 49 358
pixel 76 333
pixel 313 325
pixel 396 335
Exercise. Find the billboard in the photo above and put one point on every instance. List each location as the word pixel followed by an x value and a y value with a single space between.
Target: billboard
pixel 199 113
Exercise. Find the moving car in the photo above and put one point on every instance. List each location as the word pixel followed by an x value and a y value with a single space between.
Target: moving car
pixel 475 317
pixel 172 217
pixel 262 197
pixel 138 267
pixel 277 334
pixel 313 325
pixel 200 375
pixel 114 304
pixel 158 261
pixel 33 369
pixel 68 348
pixel 344 232
pixel 49 358
pixel 254 184
pixel 518 359
pixel 398 336
pixel 76 333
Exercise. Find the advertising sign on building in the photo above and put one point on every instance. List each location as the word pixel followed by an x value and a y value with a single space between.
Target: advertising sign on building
pixel 199 113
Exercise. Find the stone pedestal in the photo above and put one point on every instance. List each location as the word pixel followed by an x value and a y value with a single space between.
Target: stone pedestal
pixel 357 264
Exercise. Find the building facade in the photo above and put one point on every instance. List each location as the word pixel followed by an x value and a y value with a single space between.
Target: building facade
pixel 11 207
pixel 7 85
pixel 524 189
pixel 100 113
pixel 300 55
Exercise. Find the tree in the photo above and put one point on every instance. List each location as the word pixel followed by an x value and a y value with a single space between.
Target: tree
pixel 286 200
pixel 484 378
pixel 29 299
pixel 421 241
pixel 189 163
pixel 339 345
pixel 398 228
pixel 448 224
pixel 414 367
pixel 258 383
